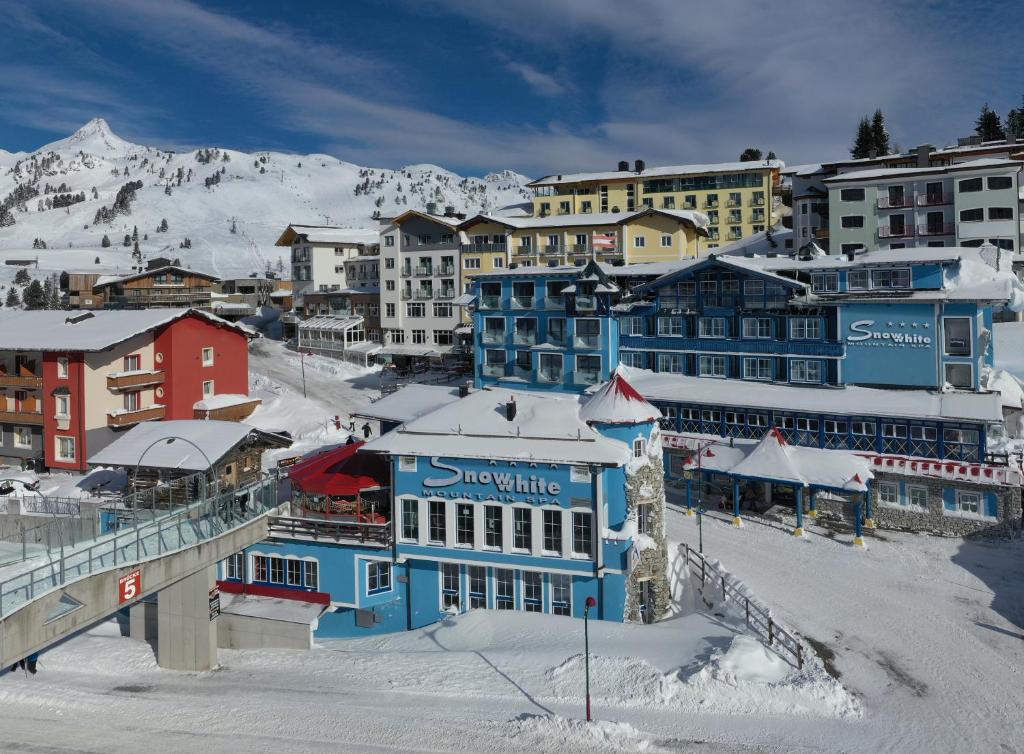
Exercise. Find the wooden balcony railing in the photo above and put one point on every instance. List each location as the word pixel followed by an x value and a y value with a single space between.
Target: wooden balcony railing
pixel 128 418
pixel 129 380
pixel 21 416
pixel 17 380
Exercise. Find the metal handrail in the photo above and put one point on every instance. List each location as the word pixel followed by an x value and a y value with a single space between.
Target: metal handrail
pixel 219 514
pixel 758 619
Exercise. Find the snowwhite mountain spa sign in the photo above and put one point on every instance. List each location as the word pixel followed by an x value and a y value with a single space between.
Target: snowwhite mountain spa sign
pixel 864 332
pixel 490 484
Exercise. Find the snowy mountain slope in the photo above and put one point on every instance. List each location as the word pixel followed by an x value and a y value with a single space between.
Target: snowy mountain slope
pixel 258 193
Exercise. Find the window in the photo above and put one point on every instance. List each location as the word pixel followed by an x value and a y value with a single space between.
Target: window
pixel 65 446
pixel 712 366
pixel 997 182
pixel 851 195
pixel 449 585
pixel 233 567
pixel 805 328
pixel 477 587
pixel 443 337
pixel 757 369
pixel 972 215
pixel 969 185
pixel 666 241
pixel 407 463
pixel 207 388
pixel 504 592
pixel 890 278
pixel 824 282
pixel 276 570
pixel 917 496
pixel 410 519
pixel 378 576
pixel 389 241
pixel 492 526
pixel 960 375
pixel 294 572
pixel 311 574
pixel 579 474
pixel 62 367
pixel 857 279
pixel 533 585
pixel 968 502
pixel 639 447
pixel 259 568
pixel 132 362
pixel 956 336
pixel 582 533
pixel 415 311
pixel 389 309
pixel 852 221
pixel 63 406
pixel 1000 213
pixel 888 493
pixel 669 325
pixel 550 367
pixel 632 326
pixel 464 522
pixel 670 362
pixel 132 400
pixel 23 438
pixel 639 242
pixel 561 594
pixel 802 370
pixel 437 522
pixel 522 528
pixel 419 337
pixel 757 327
pixel 207 357
pixel 471 263
pixel 553 531
pixel 711 327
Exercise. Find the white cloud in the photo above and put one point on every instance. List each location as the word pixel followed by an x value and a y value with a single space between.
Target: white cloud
pixel 542 83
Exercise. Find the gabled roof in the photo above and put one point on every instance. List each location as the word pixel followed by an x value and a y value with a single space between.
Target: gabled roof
pixel 328 234
pixel 451 222
pixel 618 402
pixel 92 330
pixel 657 172
pixel 697 220
pixel 107 280
pixel 408 403
pixel 340 471
pixel 987 163
pixel 740 264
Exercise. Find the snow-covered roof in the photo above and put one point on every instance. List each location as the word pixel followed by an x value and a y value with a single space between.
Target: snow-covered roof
pixel 224 400
pixel 879 173
pixel 850 400
pixel 545 429
pixel 270 608
pixel 187 444
pixel 919 255
pixel 772 457
pixel 105 280
pixel 408 403
pixel 93 330
pixel 329 322
pixel 656 172
pixel 618 402
pixel 697 219
pixel 329 234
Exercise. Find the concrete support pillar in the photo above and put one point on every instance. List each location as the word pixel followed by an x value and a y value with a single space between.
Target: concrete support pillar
pixel 142 621
pixel 813 503
pixel 187 638
pixel 736 520
pixel 799 530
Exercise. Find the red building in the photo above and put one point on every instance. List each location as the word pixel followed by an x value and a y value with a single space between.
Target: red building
pixel 70 381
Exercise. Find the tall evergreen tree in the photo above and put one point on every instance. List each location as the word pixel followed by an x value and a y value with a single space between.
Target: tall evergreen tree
pixel 750 154
pixel 988 126
pixel 13 299
pixel 1015 121
pixel 53 299
pixel 879 136
pixel 864 142
pixel 771 156
pixel 105 243
pixel 21 277
pixel 35 298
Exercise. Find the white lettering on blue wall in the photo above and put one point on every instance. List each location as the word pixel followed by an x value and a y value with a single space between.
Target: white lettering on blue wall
pixel 503 480
pixel 865 334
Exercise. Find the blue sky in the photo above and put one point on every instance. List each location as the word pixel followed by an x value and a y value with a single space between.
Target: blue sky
pixel 534 85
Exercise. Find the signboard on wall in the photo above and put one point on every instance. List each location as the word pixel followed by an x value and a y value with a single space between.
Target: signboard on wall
pixel 129 586
pixel 890 343
pixel 214 603
pixel 540 484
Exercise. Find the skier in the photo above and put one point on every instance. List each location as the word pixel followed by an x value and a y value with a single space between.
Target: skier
pixel 366 430
pixel 351 425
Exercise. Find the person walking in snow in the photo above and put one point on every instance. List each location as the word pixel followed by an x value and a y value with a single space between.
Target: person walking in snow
pixel 351 425
pixel 366 431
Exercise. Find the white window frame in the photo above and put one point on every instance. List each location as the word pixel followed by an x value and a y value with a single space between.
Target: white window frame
pixel 407 463
pixel 714 361
pixel 888 493
pixel 379 571
pixel 911 489
pixel 208 388
pixel 961 494
pixel 208 356
pixel 666 241
pixel 712 329
pixel 639 242
pixel 756 361
pixel 63 368
pixel 755 331
pixel 58 454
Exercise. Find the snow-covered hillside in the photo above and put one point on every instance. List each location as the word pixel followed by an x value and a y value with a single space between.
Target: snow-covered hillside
pixel 203 194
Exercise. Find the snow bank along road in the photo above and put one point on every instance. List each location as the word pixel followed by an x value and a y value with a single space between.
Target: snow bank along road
pixel 927 631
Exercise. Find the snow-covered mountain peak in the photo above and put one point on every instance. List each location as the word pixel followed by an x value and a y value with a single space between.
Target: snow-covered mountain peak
pixel 94 137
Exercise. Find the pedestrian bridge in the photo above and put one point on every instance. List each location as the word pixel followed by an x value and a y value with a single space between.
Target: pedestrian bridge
pixel 167 547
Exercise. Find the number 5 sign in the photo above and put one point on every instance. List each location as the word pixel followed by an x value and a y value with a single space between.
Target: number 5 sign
pixel 129 586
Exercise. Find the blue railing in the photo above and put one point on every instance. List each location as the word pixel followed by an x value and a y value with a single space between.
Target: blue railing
pixel 738 345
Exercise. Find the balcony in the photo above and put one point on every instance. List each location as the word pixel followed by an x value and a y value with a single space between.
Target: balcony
pixel 756 218
pixel 553 250
pixel 733 203
pixel 406 295
pixel 492 337
pixel 585 302
pixel 445 294
pixel 353 532
pixel 522 302
pixel 586 377
pixel 549 375
pixel 490 302
pixel 586 341
pixel 445 271
pixel 480 247
pixel 756 202
pixel 525 337
pixel 423 294
pixel 524 251
pixel 579 248
pixel 493 370
pixel 933 199
pixel 936 229
pixel 135 379
pixel 21 416
pixel 907 231
pixel 689 205
pixel 711 205
pixel 20 380
pixel 743 346
pixel 406 272
pixel 424 272
pixel 554 302
pixel 895 202
pixel 125 418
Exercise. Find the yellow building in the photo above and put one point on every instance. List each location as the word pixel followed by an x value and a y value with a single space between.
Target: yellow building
pixel 645 236
pixel 737 197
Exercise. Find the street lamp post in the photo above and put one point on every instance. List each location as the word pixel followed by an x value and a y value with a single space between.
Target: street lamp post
pixel 591 602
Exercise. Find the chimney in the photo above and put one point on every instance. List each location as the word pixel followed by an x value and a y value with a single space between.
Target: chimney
pixel 510 409
pixel 623 166
pixel 851 255
pixel 463 389
pixel 924 155
pixel 639 165
pixel 449 210
pixel 431 208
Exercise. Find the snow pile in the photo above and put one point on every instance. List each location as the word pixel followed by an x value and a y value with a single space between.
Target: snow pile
pixel 1008 347
pixel 557 733
pixel 1010 387
pixel 618 402
pixel 974 279
pixel 98 481
pixel 619 681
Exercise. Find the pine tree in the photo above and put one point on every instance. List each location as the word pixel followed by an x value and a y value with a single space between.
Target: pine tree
pixel 987 126
pixel 750 154
pixel 34 296
pixel 135 248
pixel 13 299
pixel 1015 121
pixel 879 136
pixel 105 243
pixel 127 240
pixel 22 277
pixel 135 233
pixel 47 292
pixel 163 225
pixel 96 261
pixel 771 156
pixel 6 218
pixel 864 142
pixel 53 300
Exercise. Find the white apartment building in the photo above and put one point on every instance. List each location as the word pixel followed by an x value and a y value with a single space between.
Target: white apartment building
pixel 319 255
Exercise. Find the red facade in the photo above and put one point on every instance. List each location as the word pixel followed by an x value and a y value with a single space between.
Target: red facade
pixel 74 426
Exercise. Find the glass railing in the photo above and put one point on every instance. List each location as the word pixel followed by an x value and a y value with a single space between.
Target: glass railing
pixel 522 302
pixel 490 302
pixel 586 341
pixel 493 370
pixel 493 336
pixel 587 376
pixel 525 338
pixel 549 375
pixel 554 302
